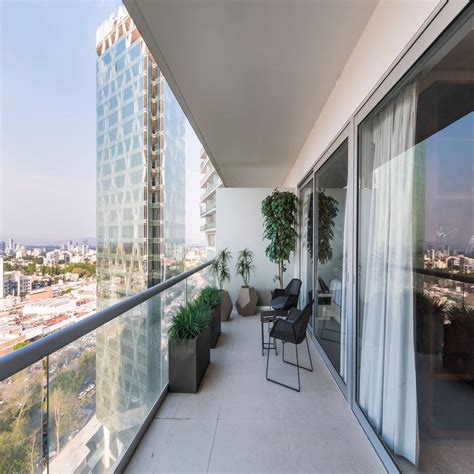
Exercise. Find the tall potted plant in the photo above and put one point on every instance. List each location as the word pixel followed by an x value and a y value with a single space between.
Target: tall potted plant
pixel 279 227
pixel 220 268
pixel 189 347
pixel 211 297
pixel 246 303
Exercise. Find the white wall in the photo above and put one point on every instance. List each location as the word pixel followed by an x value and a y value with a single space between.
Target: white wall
pixel 392 26
pixel 240 225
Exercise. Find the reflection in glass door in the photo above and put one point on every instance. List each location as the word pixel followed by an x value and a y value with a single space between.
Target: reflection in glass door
pixel 415 331
pixel 306 233
pixel 330 231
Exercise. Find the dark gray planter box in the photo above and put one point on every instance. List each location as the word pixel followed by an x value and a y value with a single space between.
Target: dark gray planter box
pixel 215 325
pixel 188 361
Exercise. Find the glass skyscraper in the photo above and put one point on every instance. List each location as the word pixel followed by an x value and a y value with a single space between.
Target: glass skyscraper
pixel 140 220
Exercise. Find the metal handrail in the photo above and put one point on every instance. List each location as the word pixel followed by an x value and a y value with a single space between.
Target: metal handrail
pixel 448 276
pixel 22 358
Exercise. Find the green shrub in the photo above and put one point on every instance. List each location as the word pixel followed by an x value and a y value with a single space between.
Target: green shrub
pixel 190 321
pixel 210 296
pixel 462 317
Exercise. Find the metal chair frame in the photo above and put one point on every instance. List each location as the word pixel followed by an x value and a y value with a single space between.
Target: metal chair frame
pixel 297 365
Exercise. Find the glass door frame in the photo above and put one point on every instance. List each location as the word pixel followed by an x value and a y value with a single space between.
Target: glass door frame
pixel 449 15
pixel 345 134
pixel 302 186
pixel 443 16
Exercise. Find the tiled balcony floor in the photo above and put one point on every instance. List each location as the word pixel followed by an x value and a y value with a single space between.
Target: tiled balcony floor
pixel 240 422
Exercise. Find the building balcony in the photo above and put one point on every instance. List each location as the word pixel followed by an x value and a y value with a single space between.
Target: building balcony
pixel 237 421
pixel 208 226
pixel 207 208
pixel 240 422
pixel 210 190
pixel 206 177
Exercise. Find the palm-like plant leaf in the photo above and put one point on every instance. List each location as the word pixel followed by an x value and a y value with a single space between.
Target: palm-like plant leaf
pixel 244 265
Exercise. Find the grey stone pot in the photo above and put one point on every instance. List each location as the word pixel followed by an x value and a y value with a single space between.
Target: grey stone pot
pixel 226 305
pixel 215 326
pixel 246 303
pixel 188 361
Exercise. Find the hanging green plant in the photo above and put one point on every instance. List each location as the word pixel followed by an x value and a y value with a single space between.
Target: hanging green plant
pixel 279 227
pixel 327 212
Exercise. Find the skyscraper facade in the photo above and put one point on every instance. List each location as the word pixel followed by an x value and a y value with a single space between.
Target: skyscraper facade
pixel 140 220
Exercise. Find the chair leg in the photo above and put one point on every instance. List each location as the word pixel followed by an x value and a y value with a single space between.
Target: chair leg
pixel 297 369
pixel 309 355
pixel 300 366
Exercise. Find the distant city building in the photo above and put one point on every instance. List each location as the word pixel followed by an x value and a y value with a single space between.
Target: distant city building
pixel 2 289
pixel 49 307
pixel 10 245
pixel 140 164
pixel 23 284
pixel 140 216
pixel 3 246
pixel 210 182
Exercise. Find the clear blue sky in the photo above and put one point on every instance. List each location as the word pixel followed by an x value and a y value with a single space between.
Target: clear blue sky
pixel 48 121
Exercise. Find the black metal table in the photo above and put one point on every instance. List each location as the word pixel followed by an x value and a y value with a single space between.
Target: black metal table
pixel 268 317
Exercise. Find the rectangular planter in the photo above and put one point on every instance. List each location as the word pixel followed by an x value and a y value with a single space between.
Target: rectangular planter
pixel 188 361
pixel 215 326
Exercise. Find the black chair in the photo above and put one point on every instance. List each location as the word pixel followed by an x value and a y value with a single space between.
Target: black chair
pixel 292 330
pixel 283 300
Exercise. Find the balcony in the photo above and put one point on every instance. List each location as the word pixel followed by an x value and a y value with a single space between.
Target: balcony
pixel 207 207
pixel 276 429
pixel 210 190
pixel 240 422
pixel 208 226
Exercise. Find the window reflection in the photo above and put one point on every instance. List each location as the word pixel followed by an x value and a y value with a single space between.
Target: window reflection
pixel 415 342
pixel 330 232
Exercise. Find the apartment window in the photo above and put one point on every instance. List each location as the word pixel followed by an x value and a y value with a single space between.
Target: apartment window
pixel 331 242
pixel 415 337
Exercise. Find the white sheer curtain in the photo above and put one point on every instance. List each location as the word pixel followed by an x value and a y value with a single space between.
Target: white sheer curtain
pixel 387 363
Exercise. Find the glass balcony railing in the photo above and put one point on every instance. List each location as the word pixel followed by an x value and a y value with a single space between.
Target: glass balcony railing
pixel 81 398
pixel 207 207
pixel 210 189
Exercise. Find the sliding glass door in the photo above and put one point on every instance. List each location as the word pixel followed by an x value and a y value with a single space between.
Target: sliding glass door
pixel 331 243
pixel 415 328
pixel 306 241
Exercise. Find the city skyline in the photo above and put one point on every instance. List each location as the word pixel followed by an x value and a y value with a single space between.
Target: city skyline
pixel 51 177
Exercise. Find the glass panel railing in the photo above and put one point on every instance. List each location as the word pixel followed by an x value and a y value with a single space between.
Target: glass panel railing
pixel 195 283
pixel 72 420
pixel 80 408
pixel 21 421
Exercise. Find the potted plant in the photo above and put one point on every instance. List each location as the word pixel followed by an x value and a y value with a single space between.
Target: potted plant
pixel 458 351
pixel 221 270
pixel 430 314
pixel 246 303
pixel 189 347
pixel 279 227
pixel 211 297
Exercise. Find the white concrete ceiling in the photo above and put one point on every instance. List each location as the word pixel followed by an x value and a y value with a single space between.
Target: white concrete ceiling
pixel 252 76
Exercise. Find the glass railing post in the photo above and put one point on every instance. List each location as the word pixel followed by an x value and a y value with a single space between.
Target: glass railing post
pixel 45 414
